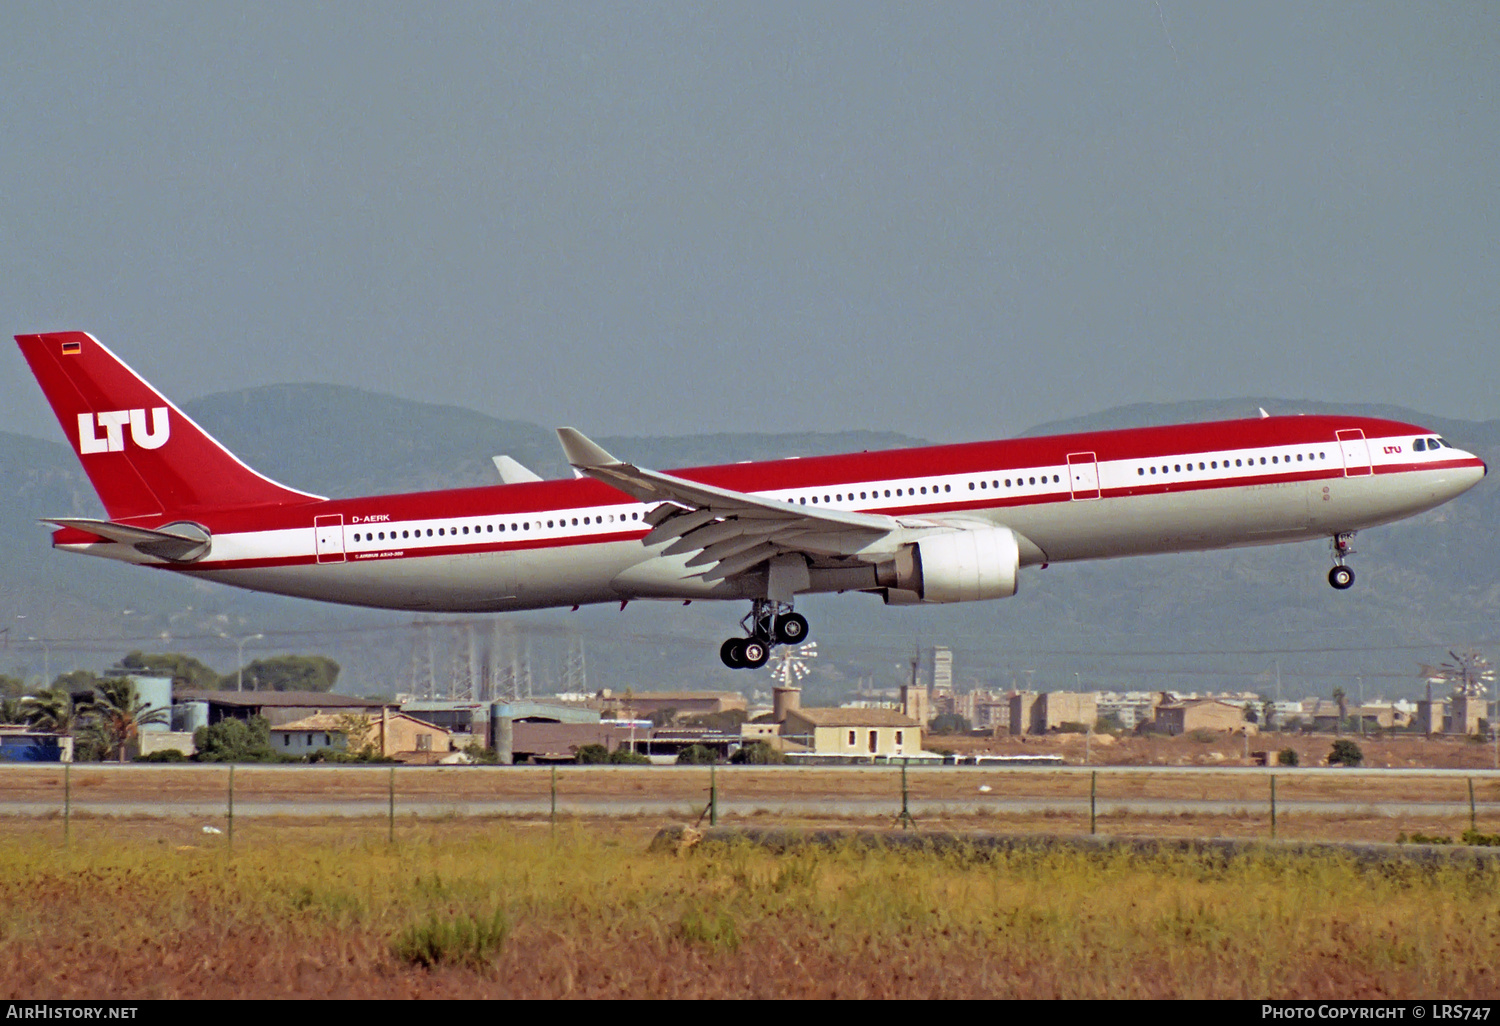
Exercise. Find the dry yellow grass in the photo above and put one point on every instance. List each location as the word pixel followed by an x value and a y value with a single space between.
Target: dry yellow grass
pixel 303 910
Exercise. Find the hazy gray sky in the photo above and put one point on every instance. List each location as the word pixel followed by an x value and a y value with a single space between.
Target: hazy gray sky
pixel 949 220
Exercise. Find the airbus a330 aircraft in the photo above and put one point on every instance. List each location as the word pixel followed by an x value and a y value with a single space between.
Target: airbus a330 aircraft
pixel 951 523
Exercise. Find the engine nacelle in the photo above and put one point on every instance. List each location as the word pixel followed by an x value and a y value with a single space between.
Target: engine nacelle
pixel 955 566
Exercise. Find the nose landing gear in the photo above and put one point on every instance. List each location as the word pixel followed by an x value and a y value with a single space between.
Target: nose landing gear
pixel 1341 576
pixel 768 624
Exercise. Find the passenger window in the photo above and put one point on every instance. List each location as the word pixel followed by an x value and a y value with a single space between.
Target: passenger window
pixel 1141 471
pixel 924 489
pixel 947 488
pixel 815 500
pixel 1033 480
pixel 1273 459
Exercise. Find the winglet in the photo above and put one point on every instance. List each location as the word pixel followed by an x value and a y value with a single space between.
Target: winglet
pixel 581 452
pixel 512 472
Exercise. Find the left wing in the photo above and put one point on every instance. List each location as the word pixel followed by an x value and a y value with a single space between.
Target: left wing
pixel 730 531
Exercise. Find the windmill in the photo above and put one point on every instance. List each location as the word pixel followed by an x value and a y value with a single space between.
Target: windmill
pixel 790 664
pixel 1469 672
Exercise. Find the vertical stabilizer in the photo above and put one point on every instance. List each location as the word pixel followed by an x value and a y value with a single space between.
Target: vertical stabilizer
pixel 144 456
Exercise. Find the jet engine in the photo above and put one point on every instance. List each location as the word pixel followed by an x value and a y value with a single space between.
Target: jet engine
pixel 954 566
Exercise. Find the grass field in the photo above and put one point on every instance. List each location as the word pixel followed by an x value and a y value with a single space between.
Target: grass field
pixel 492 908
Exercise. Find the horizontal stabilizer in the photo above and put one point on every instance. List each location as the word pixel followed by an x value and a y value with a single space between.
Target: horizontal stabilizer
pixel 183 544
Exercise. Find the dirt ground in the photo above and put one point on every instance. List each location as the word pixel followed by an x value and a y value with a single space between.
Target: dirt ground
pixel 1382 752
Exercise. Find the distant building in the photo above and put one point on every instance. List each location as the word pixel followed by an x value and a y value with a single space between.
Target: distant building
pixel 1186 715
pixel 854 732
pixel 1033 713
pixel 278 706
pixel 642 705
pixel 391 734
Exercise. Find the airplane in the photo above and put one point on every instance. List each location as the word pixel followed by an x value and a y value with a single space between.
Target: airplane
pixel 940 524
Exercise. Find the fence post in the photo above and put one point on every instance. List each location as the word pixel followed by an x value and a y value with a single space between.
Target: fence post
pixel 552 816
pixel 390 832
pixel 67 805
pixel 713 796
pixel 1473 822
pixel 1273 806
pixel 1093 794
pixel 230 812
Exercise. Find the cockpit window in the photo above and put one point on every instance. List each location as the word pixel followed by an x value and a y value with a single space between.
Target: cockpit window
pixel 1440 441
pixel 1420 445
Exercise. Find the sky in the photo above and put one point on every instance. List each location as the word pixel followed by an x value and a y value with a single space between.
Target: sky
pixel 954 221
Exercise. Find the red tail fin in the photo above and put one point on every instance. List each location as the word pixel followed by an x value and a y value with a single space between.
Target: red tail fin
pixel 143 455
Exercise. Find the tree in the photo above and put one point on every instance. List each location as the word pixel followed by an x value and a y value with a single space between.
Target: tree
pixel 285 673
pixel 11 687
pixel 1251 714
pixel 1345 753
pixel 183 669
pixel 697 755
pixel 625 757
pixel 360 735
pixel 662 717
pixel 236 741
pixel 1342 699
pixel 121 711
pixel 949 723
pixel 1268 713
pixel 1287 757
pixel 51 710
pixel 591 755
pixel 12 711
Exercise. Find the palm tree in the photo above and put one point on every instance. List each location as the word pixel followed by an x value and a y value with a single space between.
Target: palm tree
pixel 11 711
pixel 1343 703
pixel 118 708
pixel 51 710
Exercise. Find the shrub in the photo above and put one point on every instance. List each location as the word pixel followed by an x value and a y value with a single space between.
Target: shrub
pixel 625 757
pixel 1287 757
pixel 164 755
pixel 591 755
pixel 481 755
pixel 757 753
pixel 1345 753
pixel 1072 727
pixel 236 741
pixel 697 755
pixel 1203 735
pixel 464 940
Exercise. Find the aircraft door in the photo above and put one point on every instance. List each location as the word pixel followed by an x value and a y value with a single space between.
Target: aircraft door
pixel 1083 473
pixel 328 538
pixel 1356 452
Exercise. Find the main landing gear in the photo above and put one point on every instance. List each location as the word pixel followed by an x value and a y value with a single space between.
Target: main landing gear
pixel 768 624
pixel 1341 576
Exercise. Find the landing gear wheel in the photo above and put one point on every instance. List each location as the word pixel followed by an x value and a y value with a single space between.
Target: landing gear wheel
pixel 732 652
pixel 754 653
pixel 791 629
pixel 1341 577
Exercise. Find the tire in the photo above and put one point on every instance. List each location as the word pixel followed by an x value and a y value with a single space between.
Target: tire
pixel 754 653
pixel 732 652
pixel 791 629
pixel 1341 577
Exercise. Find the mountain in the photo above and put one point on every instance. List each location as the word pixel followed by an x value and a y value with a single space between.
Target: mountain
pixel 1209 620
